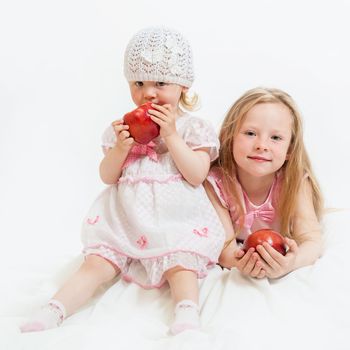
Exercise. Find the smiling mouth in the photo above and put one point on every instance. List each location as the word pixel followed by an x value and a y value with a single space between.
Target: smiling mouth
pixel 259 159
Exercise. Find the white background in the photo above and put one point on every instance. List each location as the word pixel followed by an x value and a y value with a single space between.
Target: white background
pixel 61 84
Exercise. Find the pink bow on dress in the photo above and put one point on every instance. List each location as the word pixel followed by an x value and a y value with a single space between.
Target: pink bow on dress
pixel 266 212
pixel 141 150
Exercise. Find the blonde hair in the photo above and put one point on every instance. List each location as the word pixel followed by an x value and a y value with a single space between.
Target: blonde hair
pixel 293 169
pixel 189 101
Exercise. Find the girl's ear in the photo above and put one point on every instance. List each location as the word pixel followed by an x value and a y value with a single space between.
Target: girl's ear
pixel 185 89
pixel 287 156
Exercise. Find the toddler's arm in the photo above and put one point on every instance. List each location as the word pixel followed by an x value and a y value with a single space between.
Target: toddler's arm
pixel 111 165
pixel 192 164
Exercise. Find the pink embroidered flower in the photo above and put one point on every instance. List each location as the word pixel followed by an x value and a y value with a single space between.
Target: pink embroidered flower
pixel 202 233
pixel 93 221
pixel 142 242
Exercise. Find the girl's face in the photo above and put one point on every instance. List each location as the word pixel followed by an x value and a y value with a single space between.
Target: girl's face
pixel 156 92
pixel 261 146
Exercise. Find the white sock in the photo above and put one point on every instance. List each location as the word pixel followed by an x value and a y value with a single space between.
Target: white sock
pixel 49 316
pixel 186 317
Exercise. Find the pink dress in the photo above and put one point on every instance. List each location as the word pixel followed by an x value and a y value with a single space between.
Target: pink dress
pixel 256 217
pixel 153 219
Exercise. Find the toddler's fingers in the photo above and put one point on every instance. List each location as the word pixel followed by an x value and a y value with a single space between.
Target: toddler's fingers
pixel 129 141
pixel 119 128
pixel 124 134
pixel 117 122
pixel 161 108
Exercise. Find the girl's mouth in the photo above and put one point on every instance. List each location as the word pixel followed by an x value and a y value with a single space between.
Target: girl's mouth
pixel 259 159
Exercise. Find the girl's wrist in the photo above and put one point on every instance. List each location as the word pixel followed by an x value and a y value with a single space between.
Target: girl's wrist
pixel 170 138
pixel 122 149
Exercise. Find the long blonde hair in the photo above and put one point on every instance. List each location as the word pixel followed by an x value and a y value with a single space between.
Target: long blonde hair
pixel 293 169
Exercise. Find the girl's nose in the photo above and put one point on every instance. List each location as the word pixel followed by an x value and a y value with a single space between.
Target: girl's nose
pixel 150 92
pixel 261 145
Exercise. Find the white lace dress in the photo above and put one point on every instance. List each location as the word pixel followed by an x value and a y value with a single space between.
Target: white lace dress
pixel 152 219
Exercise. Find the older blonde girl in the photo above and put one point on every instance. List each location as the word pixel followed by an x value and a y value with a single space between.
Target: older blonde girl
pixel 263 179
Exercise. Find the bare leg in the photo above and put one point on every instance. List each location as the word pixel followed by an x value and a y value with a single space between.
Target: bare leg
pixel 75 292
pixel 82 285
pixel 183 284
pixel 185 292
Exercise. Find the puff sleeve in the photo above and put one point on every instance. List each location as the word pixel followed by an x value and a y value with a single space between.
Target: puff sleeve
pixel 201 134
pixel 109 138
pixel 214 178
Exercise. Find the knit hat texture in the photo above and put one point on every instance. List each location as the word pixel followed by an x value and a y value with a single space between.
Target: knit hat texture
pixel 159 54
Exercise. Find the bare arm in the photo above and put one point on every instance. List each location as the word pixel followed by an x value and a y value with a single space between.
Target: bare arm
pixel 226 256
pixel 192 164
pixel 112 163
pixel 307 229
pixel 307 232
pixel 232 255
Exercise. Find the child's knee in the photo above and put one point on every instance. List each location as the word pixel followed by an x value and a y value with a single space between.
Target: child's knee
pixel 100 267
pixel 177 272
pixel 173 270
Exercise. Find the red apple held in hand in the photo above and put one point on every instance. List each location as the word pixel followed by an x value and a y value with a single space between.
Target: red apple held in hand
pixel 265 235
pixel 141 127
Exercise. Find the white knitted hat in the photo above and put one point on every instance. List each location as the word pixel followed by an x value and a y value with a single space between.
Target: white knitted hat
pixel 159 54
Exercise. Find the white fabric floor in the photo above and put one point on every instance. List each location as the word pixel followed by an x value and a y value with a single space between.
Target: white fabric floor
pixel 307 309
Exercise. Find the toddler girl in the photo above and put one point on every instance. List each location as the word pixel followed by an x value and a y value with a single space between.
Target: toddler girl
pixel 154 222
pixel 263 179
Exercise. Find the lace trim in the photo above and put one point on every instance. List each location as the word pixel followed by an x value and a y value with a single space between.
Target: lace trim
pixel 154 267
pixel 149 180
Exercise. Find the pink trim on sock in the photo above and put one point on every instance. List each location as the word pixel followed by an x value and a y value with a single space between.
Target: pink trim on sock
pixel 59 309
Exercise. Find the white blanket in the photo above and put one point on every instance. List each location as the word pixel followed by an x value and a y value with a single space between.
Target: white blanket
pixel 307 309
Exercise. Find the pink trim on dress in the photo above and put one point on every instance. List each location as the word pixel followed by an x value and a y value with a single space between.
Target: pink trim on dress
pixel 149 257
pixel 149 180
pixel 126 277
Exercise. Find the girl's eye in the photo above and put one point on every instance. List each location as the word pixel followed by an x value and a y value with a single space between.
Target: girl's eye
pixel 276 138
pixel 249 133
pixel 161 83
pixel 139 83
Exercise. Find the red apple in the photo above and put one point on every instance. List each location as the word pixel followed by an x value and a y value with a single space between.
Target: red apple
pixel 141 127
pixel 265 235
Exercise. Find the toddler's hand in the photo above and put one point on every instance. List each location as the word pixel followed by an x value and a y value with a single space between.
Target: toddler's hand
pixel 165 117
pixel 124 140
pixel 249 263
